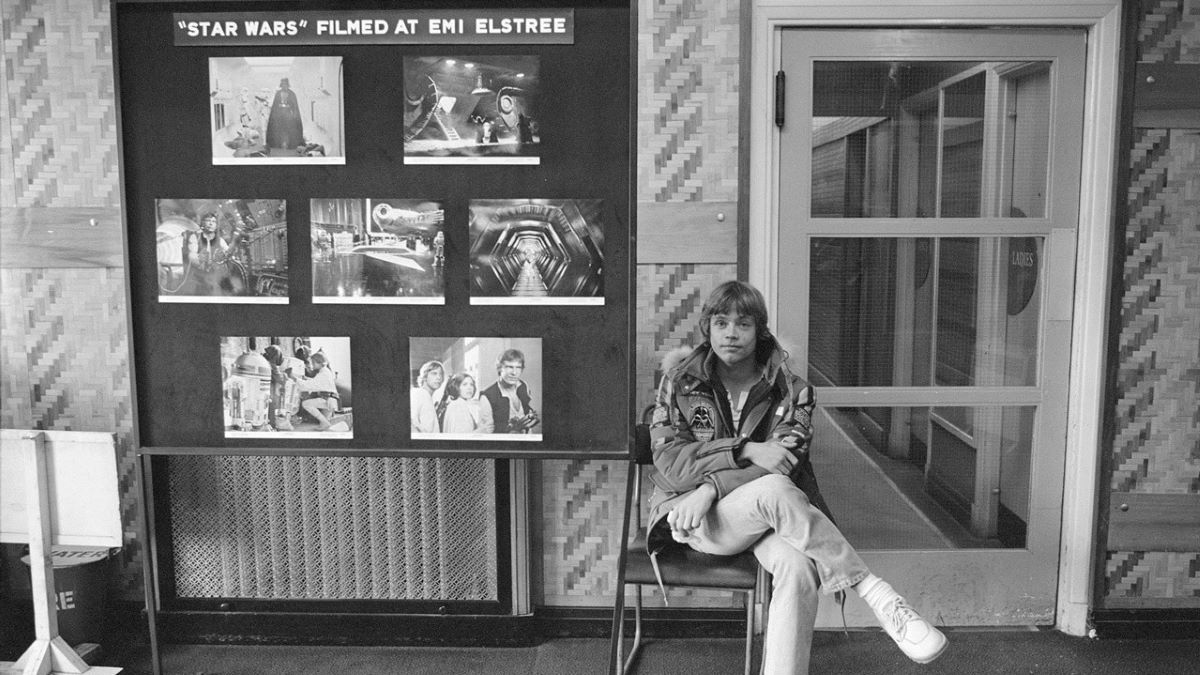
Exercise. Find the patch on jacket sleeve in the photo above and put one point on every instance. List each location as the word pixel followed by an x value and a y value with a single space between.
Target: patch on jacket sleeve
pixel 660 417
pixel 702 424
pixel 802 417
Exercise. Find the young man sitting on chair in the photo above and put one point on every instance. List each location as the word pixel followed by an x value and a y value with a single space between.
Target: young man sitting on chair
pixel 730 436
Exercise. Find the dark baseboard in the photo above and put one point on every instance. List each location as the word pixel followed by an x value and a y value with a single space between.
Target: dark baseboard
pixel 128 624
pixel 663 623
pixel 1147 624
pixel 397 630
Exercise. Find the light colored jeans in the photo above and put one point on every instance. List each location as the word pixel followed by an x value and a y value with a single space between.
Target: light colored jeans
pixel 802 549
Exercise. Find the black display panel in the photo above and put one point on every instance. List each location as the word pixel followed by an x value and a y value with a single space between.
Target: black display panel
pixel 470 195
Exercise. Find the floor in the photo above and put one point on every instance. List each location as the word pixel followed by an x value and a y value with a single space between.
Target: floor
pixel 975 652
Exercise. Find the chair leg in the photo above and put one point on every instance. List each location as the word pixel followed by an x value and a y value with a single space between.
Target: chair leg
pixel 764 592
pixel 749 630
pixel 618 634
pixel 637 630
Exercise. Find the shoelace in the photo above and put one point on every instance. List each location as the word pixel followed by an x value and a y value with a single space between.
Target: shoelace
pixel 899 614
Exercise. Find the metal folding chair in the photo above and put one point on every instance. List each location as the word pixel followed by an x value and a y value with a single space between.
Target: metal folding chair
pixel 677 566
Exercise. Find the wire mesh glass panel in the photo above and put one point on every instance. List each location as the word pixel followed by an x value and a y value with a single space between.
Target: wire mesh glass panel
pixel 925 311
pixel 333 528
pixel 930 139
pixel 911 478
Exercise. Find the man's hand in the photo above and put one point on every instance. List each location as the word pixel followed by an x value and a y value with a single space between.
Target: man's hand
pixel 528 421
pixel 689 512
pixel 773 456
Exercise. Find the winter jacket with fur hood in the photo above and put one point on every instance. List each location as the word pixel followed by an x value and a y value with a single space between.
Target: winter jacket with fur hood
pixel 694 439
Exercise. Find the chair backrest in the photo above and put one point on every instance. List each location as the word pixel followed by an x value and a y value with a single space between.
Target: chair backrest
pixel 643 454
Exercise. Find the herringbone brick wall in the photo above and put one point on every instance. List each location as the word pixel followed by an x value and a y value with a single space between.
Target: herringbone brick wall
pixel 58 142
pixel 688 100
pixel 1169 32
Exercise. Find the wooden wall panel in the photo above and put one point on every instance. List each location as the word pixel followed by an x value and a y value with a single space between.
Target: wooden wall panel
pixel 1154 522
pixel 61 237
pixel 687 232
pixel 1167 96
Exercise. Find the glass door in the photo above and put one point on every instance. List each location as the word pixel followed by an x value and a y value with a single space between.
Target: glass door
pixel 928 198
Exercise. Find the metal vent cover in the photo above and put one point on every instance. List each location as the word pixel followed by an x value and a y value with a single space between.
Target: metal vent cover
pixel 324 528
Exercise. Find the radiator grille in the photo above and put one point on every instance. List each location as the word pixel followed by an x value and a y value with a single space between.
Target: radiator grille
pixel 299 528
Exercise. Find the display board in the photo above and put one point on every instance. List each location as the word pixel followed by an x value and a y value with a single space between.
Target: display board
pixel 368 229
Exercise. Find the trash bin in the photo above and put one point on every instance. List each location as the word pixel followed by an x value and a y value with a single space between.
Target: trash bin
pixel 81 577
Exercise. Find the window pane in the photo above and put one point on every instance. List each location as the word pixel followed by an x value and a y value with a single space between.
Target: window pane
pixel 1027 132
pixel 919 311
pixel 962 148
pixel 909 478
pixel 909 139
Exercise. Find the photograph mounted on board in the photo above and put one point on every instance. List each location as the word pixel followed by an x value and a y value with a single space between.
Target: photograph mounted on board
pixel 476 388
pixel 378 251
pixel 286 387
pixel 222 250
pixel 276 110
pixel 537 252
pixel 471 110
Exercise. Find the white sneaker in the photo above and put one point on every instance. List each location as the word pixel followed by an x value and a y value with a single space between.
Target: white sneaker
pixel 916 637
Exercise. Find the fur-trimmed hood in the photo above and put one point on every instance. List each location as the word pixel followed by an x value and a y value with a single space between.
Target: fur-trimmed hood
pixel 676 357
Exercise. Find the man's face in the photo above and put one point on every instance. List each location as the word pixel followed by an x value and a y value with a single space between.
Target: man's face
pixel 208 226
pixel 433 379
pixel 510 372
pixel 733 337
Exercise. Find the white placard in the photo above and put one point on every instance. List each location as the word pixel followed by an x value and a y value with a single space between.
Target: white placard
pixel 85 502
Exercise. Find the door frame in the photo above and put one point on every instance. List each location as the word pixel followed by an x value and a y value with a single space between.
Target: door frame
pixel 1090 305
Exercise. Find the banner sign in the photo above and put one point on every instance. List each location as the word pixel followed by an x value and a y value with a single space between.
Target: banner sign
pixel 455 27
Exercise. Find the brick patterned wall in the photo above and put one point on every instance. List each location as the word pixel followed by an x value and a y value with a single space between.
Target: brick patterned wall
pixel 1169 32
pixel 581 530
pixel 1158 579
pixel 1157 444
pixel 1156 447
pixel 59 133
pixel 687 116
